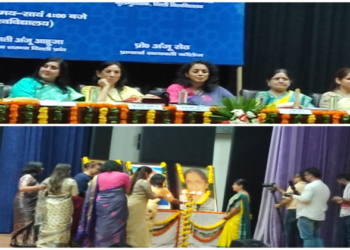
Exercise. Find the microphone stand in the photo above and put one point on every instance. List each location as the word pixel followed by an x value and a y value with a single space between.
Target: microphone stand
pixel 273 191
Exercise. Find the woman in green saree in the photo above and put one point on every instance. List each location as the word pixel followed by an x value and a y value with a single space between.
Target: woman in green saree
pixel 237 224
pixel 279 81
pixel 48 83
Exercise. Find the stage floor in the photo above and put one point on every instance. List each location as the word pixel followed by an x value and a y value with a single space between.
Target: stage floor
pixel 5 240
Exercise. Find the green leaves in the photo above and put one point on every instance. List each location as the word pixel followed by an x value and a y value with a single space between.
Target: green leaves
pixel 230 103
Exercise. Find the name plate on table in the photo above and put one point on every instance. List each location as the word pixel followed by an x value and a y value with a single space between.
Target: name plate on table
pixel 295 111
pixel 145 106
pixel 57 104
pixel 192 108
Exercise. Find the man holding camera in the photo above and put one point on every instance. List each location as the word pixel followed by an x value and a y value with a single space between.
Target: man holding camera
pixel 290 219
pixel 344 227
pixel 311 208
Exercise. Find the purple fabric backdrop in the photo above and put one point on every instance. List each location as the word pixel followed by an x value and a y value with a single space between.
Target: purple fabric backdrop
pixel 293 149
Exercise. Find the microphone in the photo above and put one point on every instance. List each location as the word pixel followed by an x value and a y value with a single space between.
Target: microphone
pixel 291 184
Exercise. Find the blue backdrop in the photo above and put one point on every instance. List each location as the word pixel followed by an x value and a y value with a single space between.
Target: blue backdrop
pixel 137 32
pixel 50 145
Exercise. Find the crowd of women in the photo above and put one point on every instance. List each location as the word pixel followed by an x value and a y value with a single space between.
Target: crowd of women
pixel 102 207
pixel 199 79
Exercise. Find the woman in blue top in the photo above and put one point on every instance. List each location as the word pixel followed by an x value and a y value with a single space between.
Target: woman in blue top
pixel 48 83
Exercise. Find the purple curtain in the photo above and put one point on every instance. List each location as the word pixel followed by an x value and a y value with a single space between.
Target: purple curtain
pixel 293 149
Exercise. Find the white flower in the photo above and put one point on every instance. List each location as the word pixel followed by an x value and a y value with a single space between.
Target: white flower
pixel 237 112
pixel 250 114
pixel 254 121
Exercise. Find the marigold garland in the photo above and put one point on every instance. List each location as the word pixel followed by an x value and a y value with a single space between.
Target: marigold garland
pixel 311 119
pixel 43 115
pixel 73 119
pixel 13 113
pixel 102 118
pixel 206 117
pixel 285 118
pixel 164 169
pixel 336 118
pixel 180 175
pixel 208 239
pixel 178 117
pixel 129 168
pixel 166 228
pixel 124 114
pixel 219 224
pixel 172 217
pixel 150 117
pixel 86 160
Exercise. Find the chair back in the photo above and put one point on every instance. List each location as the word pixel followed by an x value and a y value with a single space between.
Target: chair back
pixel 247 94
pixel 316 98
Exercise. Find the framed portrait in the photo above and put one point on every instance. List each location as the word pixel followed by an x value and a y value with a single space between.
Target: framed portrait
pixel 196 180
pixel 157 169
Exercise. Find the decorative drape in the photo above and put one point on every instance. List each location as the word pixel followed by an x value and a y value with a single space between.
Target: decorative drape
pixel 293 149
pixel 50 145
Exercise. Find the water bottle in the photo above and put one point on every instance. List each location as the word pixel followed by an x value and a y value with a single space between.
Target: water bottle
pixel 183 97
pixel 333 103
pixel 1 91
pixel 93 94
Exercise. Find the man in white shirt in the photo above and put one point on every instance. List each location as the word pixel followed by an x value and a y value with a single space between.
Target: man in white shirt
pixel 344 227
pixel 311 208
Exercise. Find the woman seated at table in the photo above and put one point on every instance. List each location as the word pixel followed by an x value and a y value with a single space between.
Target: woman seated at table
pixel 201 81
pixel 340 91
pixel 237 224
pixel 48 83
pixel 157 186
pixel 111 79
pixel 279 95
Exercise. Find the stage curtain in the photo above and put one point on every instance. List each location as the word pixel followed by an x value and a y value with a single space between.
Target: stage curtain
pixel 50 145
pixel 310 39
pixel 294 149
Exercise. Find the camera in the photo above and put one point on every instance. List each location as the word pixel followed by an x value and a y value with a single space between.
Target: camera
pixel 269 185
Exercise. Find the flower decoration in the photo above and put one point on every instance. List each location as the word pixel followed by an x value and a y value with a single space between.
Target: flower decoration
pixel 129 168
pixel 238 111
pixel 102 118
pixel 150 117
pixel 43 115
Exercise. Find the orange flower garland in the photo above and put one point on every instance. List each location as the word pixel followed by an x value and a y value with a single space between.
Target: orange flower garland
pixel 124 110
pixel 208 239
pixel 285 118
pixel 165 229
pixel 73 115
pixel 336 118
pixel 13 113
pixel 179 117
